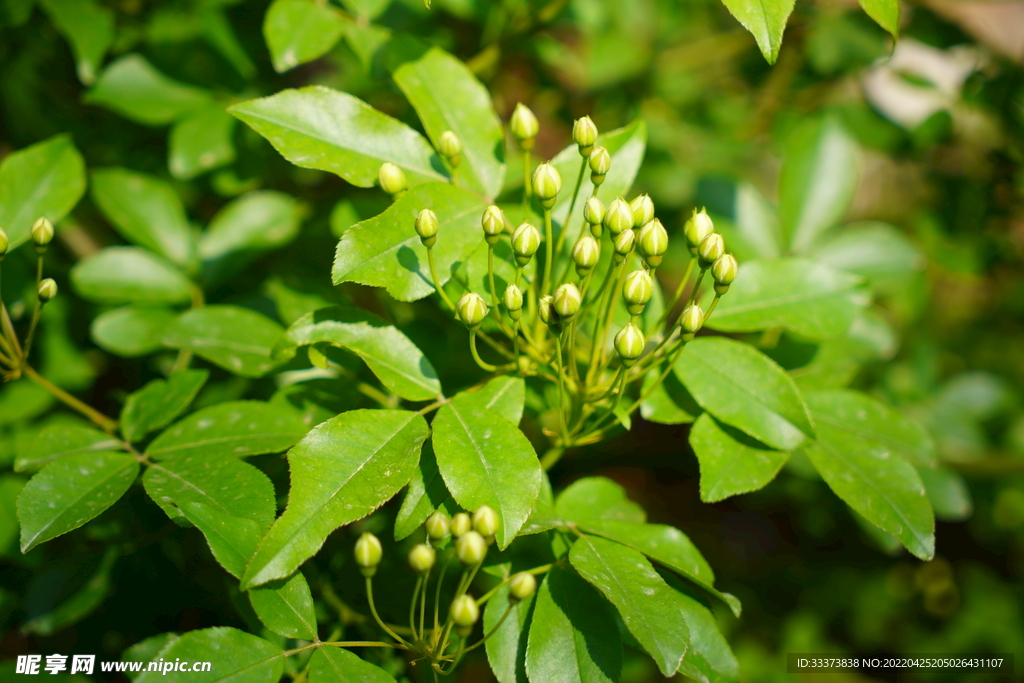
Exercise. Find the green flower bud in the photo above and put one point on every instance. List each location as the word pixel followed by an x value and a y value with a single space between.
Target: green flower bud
pixel 471 310
pixel 643 210
pixel 42 234
pixel 471 548
pixel 697 228
pixel 450 148
pixel 619 217
pixel 461 523
pixel 546 184
pixel 426 227
pixel 585 254
pixel 525 243
pixel 623 245
pixel 548 315
pixel 636 290
pixel 584 134
pixel 521 586
pixel 710 250
pixel 691 320
pixel 465 613
pixel 437 526
pixel 724 271
pixel 368 553
pixel 629 344
pixel 485 522
pixel 513 302
pixel 600 164
pixel 391 178
pixel 493 222
pixel 47 290
pixel 567 301
pixel 653 242
pixel 593 212
pixel 4 243
pixel 422 558
pixel 524 126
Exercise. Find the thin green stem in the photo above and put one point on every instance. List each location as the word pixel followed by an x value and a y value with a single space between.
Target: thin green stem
pixel 610 413
pixel 476 356
pixel 678 293
pixel 376 617
pixel 595 342
pixel 549 250
pixel 412 608
pixel 363 643
pixel 437 595
pixel 494 629
pixel 561 386
pixel 105 423
pixel 437 280
pixel 572 205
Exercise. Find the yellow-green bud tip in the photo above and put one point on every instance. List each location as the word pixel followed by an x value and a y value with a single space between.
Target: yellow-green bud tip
pixel 42 232
pixel 585 254
pixel 461 523
pixel 546 311
pixel 485 521
pixel 368 553
pixel 524 126
pixel 521 586
pixel 471 310
pixel 619 217
pixel 724 269
pixel 513 302
pixel 4 242
pixel 629 344
pixel 471 548
pixel 584 134
pixel 525 243
pixel 636 290
pixel 711 249
pixel 493 223
pixel 623 244
pixel 450 147
pixel 600 163
pixel 653 242
pixel 547 183
pixel 643 210
pixel 47 290
pixel 593 211
pixel 692 319
pixel 437 526
pixel 567 300
pixel 464 612
pixel 697 228
pixel 391 178
pixel 422 558
pixel 426 227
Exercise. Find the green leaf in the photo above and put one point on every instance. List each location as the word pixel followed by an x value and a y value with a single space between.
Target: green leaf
pixel 256 221
pixel 335 665
pixel 237 339
pixel 235 657
pixel 156 404
pixel 386 252
pixel 389 354
pixel 593 498
pixel 61 440
pixel 506 648
pixel 669 402
pixel 145 210
pixel 886 14
pixel 796 294
pixel 146 650
pixel 316 127
pixel 730 461
pixel 17 12
pixel 232 539
pixel 709 658
pixel 79 605
pixel 486 460
pixel 505 395
pixel 340 472
pixel 742 387
pixel 69 492
pixel 865 469
pixel 131 332
pixel 236 428
pixel 573 634
pixel 948 493
pixel 757 222
pixel 426 493
pixel 133 88
pixel 201 141
pixel 10 488
pixel 286 607
pixel 118 275
pixel 765 19
pixel 649 607
pixel 299 31
pixel 88 27
pixel 370 9
pixel 463 106
pixel 45 179
pixel 872 249
pixel 819 177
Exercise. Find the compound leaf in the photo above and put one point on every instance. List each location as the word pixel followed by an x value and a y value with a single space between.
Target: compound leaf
pixel 286 607
pixel 135 89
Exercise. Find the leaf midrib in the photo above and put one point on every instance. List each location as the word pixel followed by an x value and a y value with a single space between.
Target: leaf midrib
pixel 222 439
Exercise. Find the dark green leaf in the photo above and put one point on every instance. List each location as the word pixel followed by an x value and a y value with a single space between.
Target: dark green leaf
pixel 118 275
pixel 236 339
pixel 334 665
pixel 235 657
pixel 765 19
pixel 10 488
pixel 79 605
pixel 506 648
pixel 299 31
pixel 597 498
pixel 709 658
pixel 426 493
pixel 201 141
pixel 88 27
pixel 885 12
pixel 668 403
pixel 131 331
pixel 156 404
pixel 133 88
pixel 286 607
pixel 61 440
pixel 340 472
pixel 730 461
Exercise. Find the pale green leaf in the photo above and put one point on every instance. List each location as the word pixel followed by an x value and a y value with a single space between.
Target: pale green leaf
pixel 69 492
pixel 506 648
pixel 236 428
pixel 130 331
pixel 742 387
pixel 299 31
pixel 885 12
pixel 317 127
pixel 766 21
pixel 386 252
pixel 286 607
pixel 61 440
pixel 133 88
pixel 872 249
pixel 234 656
pixel 160 401
pixel 573 636
pixel 730 461
pixel 237 339
pixel 757 222
pixel 505 395
pixel 118 275
pixel 389 354
pixel 88 27
pixel 201 141
pixel 486 460
pixel 44 180
pixel 256 221
pixel 370 9
pixel 335 665
pixel 340 472
pixel 593 498
pixel 462 106
pixel 80 604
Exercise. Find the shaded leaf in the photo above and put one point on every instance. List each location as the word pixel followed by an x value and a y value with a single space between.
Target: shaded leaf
pixel 730 461
pixel 948 493
pixel 133 88
pixel 335 665
pixel 78 606
pixel 146 650
pixel 201 141
pixel 299 31
pixel 709 658
pixel 426 493
pixel 236 656
pixel 118 275
pixel 232 539
pixel 258 220
pixel 131 332
pixel 160 401
pixel 88 27
pixel 506 648
pixel 237 339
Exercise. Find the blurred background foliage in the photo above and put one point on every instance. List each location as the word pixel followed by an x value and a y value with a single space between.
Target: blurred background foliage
pixel 919 145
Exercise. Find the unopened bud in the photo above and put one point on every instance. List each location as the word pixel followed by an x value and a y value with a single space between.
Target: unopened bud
pixel 619 217
pixel 461 523
pixel 710 249
pixel 724 271
pixel 524 126
pixel 471 310
pixel 546 184
pixel 525 243
pixel 422 558
pixel 643 210
pixel 585 254
pixel 437 526
pixel 629 344
pixel 485 521
pixel 391 178
pixel 513 302
pixel 4 243
pixel 464 613
pixel 450 148
pixel 548 314
pixel 471 548
pixel 42 234
pixel 47 290
pixel 593 212
pixel 623 245
pixel 653 242
pixel 521 586
pixel 600 164
pixel 567 301
pixel 426 227
pixel 584 134
pixel 697 228
pixel 493 222
pixel 636 290
pixel 691 320
pixel 368 553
